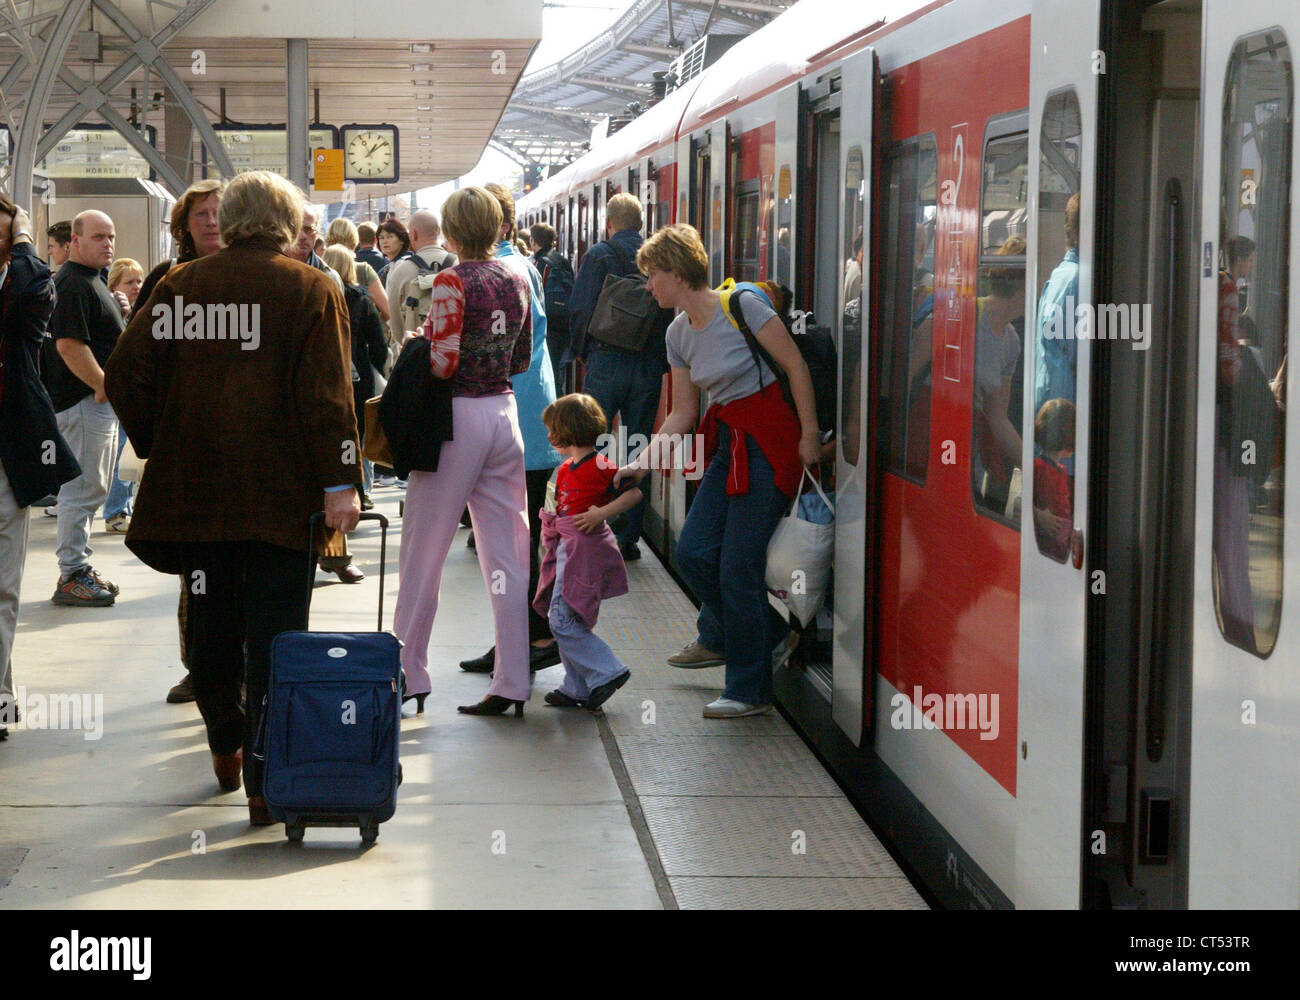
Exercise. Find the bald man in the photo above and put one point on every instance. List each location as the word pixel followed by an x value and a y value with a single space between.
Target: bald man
pixel 425 231
pixel 84 328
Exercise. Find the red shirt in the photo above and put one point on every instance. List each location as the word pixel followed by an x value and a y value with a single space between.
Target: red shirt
pixel 586 483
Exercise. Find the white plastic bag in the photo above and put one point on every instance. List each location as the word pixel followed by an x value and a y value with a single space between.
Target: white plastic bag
pixel 799 559
pixel 130 466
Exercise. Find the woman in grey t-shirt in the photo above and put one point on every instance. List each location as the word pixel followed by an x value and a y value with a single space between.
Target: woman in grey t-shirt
pixel 752 475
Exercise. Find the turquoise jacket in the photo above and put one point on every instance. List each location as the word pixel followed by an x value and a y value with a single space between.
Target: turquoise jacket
pixel 535 388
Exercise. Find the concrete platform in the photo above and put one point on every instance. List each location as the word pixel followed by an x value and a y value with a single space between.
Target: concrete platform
pixel 647 806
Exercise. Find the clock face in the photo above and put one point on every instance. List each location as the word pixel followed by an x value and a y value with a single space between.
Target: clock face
pixel 370 154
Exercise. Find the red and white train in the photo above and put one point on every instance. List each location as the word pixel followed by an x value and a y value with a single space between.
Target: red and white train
pixel 1065 663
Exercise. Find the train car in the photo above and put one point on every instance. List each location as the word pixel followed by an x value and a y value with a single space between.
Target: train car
pixel 1053 239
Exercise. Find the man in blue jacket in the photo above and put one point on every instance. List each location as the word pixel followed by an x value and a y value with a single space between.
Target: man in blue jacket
pixel 621 381
pixel 34 458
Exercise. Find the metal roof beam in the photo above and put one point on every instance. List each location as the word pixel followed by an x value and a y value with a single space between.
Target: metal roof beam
pixel 613 86
pixel 643 49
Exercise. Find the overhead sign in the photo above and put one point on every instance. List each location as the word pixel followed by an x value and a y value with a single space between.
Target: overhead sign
pixel 263 147
pixel 92 151
pixel 329 169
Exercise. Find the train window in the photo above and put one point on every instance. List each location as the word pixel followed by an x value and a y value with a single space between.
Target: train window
pixel 1055 357
pixel 716 263
pixel 745 245
pixel 784 214
pixel 855 189
pixel 998 392
pixel 907 306
pixel 1250 398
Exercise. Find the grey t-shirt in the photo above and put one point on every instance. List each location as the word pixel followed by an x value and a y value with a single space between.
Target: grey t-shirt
pixel 718 357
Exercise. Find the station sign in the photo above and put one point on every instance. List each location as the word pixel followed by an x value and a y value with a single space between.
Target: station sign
pixel 263 147
pixel 91 150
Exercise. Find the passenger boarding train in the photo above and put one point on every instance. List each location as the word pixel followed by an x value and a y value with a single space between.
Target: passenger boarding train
pixel 1053 240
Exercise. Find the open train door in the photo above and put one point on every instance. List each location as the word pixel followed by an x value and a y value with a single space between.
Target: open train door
pixel 851 662
pixel 1244 848
pixel 1065 64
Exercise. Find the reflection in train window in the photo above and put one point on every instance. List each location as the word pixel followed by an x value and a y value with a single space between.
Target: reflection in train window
pixel 998 391
pixel 1055 353
pixel 784 215
pixel 1004 208
pixel 855 189
pixel 1250 400
pixel 745 227
pixel 717 265
pixel 907 307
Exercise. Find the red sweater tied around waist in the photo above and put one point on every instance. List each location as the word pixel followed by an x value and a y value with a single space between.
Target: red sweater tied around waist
pixel 768 419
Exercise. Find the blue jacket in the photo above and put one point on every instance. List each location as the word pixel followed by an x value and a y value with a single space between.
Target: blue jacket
pixel 535 388
pixel 599 261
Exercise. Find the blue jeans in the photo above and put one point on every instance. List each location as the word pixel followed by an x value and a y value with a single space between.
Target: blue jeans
pixel 120 494
pixel 722 555
pixel 588 660
pixel 627 384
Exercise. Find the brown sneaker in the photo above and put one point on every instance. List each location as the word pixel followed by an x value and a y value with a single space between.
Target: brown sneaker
pixel 181 693
pixel 82 590
pixel 228 767
pixel 694 656
pixel 258 814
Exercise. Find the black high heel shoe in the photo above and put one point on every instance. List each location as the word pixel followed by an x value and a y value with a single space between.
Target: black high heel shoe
pixel 419 701
pixel 493 704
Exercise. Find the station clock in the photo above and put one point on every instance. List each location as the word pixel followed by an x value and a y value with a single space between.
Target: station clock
pixel 370 153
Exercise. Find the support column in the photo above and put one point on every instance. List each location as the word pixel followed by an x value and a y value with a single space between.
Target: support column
pixel 296 115
pixel 178 133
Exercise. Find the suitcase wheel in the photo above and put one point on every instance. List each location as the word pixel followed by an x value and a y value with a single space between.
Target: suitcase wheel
pixel 295 832
pixel 369 833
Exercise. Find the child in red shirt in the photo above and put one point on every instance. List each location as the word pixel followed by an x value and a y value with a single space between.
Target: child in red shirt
pixel 1053 487
pixel 582 565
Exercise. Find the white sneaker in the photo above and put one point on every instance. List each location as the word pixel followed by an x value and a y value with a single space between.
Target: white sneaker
pixel 400 483
pixel 726 708
pixel 385 480
pixel 51 511
pixel 784 649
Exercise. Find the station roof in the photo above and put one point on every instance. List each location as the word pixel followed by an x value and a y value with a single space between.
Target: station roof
pixel 440 70
pixel 551 115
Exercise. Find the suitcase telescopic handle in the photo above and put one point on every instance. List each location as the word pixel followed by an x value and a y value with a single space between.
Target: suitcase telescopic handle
pixel 319 517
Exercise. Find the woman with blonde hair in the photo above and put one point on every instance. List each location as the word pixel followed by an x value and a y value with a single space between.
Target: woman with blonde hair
pixel 480 334
pixel 343 233
pixel 124 280
pixel 756 445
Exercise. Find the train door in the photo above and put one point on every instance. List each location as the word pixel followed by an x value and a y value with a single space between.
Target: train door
pixel 819 266
pixel 1063 102
pixel 1245 756
pixel 851 665
pixel 783 207
pixel 718 187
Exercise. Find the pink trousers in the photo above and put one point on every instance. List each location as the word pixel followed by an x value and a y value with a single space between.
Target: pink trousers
pixel 483 466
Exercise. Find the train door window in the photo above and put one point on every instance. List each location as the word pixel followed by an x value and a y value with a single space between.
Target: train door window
pixel 907 307
pixel 825 231
pixel 1250 399
pixel 784 216
pixel 700 193
pixel 744 253
pixel 855 190
pixel 1055 355
pixel 998 391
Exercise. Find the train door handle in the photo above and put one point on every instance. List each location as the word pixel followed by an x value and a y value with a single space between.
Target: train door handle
pixel 1076 549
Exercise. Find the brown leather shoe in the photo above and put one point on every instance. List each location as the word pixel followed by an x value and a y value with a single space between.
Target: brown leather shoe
pixel 350 574
pixel 258 814
pixel 228 768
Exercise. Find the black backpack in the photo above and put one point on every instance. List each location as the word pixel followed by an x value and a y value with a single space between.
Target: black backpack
pixel 816 344
pixel 626 314
pixel 557 283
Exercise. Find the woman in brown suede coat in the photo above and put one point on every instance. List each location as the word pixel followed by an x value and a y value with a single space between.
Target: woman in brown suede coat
pixel 235 384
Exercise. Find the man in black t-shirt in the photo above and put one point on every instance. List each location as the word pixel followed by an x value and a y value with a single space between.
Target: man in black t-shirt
pixel 84 329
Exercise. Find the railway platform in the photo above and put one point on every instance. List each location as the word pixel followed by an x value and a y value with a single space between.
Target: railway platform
pixel 649 806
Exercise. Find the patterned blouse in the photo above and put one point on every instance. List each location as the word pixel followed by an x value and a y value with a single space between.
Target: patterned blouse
pixel 480 327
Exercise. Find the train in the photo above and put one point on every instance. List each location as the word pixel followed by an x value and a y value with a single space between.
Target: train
pixel 1053 241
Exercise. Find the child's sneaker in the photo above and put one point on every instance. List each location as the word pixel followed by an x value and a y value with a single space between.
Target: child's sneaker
pixel 601 693
pixel 83 590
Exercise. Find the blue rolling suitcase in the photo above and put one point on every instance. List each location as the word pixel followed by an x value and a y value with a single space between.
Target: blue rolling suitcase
pixel 331 723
